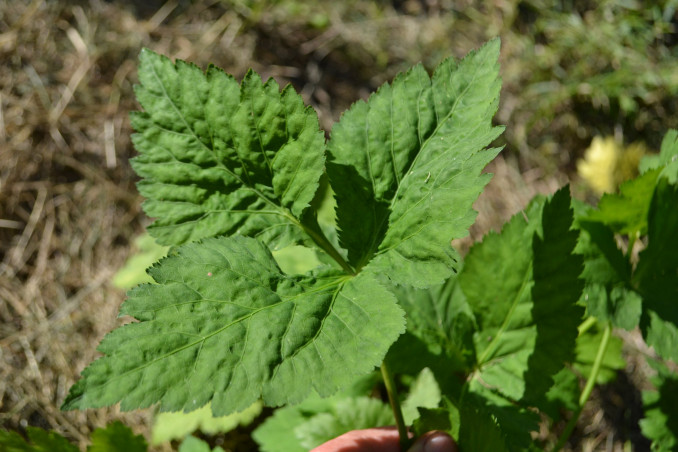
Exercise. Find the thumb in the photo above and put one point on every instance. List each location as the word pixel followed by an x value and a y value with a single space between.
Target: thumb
pixel 434 441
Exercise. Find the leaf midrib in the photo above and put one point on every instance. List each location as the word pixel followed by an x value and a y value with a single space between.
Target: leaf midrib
pixel 283 299
pixel 507 320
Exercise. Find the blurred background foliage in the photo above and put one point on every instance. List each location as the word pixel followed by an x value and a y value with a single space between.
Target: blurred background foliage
pixel 573 70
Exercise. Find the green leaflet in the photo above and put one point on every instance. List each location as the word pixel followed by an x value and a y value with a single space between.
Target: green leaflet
pixel 193 444
pixel 134 270
pixel 217 157
pixel 224 324
pixel 565 391
pixel 39 440
pixel 405 167
pixel 667 159
pixel 279 432
pixel 626 212
pixel 116 437
pixel 656 275
pixel 587 348
pixel 440 317
pixel 607 272
pixel 345 415
pixel 526 313
pixel 424 393
pixel 472 426
pixel 661 416
pixel 513 422
pixel 169 426
pixel 314 421
pixel 479 432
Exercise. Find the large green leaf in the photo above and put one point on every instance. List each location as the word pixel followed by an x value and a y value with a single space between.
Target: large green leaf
pixel 656 275
pixel 405 167
pixel 224 324
pixel 526 311
pixel 218 158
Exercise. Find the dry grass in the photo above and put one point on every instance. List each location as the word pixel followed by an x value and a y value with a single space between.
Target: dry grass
pixel 68 205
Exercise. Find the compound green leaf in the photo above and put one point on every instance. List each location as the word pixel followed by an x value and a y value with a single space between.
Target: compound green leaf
pixel 656 275
pixel 218 158
pixel 526 311
pixel 224 324
pixel 405 167
pixel 116 437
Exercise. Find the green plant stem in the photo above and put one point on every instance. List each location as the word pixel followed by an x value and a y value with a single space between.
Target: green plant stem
pixel 587 324
pixel 629 250
pixel 586 393
pixel 322 241
pixel 395 405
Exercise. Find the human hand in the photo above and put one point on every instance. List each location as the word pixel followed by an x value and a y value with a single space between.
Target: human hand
pixel 386 440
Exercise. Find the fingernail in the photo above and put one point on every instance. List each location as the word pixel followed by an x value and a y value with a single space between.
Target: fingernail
pixel 440 442
pixel 434 442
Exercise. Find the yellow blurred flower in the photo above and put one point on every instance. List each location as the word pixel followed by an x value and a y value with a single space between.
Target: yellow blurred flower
pixel 606 164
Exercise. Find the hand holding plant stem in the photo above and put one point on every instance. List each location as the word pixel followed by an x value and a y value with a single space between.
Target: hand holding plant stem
pixel 387 440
